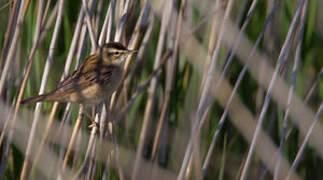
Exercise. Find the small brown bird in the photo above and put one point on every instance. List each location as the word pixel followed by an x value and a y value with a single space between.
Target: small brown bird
pixel 93 81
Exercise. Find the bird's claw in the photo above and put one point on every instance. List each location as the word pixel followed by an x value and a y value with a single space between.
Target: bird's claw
pixel 94 125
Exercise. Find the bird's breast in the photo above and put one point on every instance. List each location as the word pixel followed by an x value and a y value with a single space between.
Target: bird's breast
pixel 98 92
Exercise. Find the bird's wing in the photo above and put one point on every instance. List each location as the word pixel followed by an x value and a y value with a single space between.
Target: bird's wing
pixel 72 79
pixel 81 80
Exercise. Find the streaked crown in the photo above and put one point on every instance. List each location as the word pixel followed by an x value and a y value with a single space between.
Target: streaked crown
pixel 115 52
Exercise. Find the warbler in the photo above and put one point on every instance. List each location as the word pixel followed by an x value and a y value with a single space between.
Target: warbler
pixel 93 81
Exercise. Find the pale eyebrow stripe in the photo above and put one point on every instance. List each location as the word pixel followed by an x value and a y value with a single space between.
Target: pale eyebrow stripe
pixel 115 50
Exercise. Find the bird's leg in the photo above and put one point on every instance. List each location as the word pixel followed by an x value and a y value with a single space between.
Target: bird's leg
pixel 87 114
pixel 94 123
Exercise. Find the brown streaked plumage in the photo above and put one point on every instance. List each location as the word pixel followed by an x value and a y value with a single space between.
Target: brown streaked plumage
pixel 93 81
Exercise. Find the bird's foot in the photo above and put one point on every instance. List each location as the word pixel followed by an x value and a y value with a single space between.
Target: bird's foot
pixel 94 125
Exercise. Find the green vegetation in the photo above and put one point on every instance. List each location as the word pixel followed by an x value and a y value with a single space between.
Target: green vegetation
pixel 172 117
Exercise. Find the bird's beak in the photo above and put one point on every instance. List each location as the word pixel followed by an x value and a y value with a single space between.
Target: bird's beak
pixel 132 51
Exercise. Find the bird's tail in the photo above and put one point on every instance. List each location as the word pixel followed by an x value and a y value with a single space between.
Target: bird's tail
pixel 42 97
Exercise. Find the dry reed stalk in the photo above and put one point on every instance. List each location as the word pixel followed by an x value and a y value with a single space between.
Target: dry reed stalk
pixel 237 112
pixel 107 24
pixel 316 82
pixel 27 73
pixel 89 26
pixel 133 44
pixel 269 49
pixel 43 33
pixel 28 66
pixel 211 46
pixel 120 29
pixel 111 17
pixel 168 8
pixel 205 97
pixel 292 87
pixel 133 97
pixel 299 111
pixel 174 43
pixel 227 65
pixel 66 70
pixel 302 111
pixel 304 143
pixel 42 88
pixel 105 34
pixel 241 75
pixel 282 56
pixel 140 54
pixel 307 98
pixel 124 11
pixel 4 6
pixel 139 90
pixel 142 87
pixel 116 152
pixel 96 21
pixel 81 49
pixel 49 23
pixel 242 54
pixel 22 129
pixel 137 34
pixel 11 25
pixel 91 147
pixel 17 25
pixel 5 48
pixel 131 74
pixel 46 11
pixel 73 137
pixel 23 6
pixel 123 15
pixel 280 91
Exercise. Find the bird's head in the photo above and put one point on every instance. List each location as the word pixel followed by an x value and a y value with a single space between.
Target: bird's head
pixel 115 53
